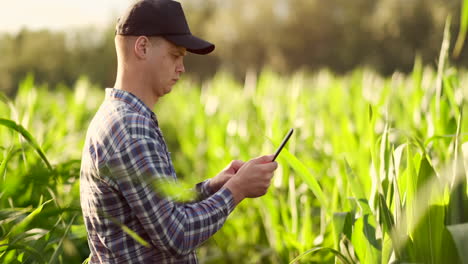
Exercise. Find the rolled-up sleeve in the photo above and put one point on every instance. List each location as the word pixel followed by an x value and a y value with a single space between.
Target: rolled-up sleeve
pixel 174 227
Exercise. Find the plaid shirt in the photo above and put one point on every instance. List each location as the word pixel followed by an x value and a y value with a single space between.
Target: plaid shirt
pixel 124 154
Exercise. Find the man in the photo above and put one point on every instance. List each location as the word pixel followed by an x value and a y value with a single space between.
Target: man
pixel 125 154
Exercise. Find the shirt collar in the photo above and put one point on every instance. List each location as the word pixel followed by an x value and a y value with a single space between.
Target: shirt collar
pixel 130 99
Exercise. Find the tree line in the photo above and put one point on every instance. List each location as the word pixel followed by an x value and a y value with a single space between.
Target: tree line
pixel 283 35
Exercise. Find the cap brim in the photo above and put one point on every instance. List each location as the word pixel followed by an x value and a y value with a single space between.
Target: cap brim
pixel 191 43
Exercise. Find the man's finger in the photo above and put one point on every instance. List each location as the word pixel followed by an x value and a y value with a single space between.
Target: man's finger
pixel 237 164
pixel 264 159
pixel 270 166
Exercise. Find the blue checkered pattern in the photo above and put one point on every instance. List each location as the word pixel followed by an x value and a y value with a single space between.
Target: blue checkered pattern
pixel 124 157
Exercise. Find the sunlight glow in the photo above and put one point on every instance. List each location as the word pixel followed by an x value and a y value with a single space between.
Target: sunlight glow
pixel 58 14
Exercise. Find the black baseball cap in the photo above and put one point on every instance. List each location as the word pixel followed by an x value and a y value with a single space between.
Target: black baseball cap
pixel 163 18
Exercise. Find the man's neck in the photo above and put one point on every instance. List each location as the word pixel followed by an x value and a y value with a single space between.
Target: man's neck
pixel 136 84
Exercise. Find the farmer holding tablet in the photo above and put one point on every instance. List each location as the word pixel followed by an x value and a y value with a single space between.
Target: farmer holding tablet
pixel 125 154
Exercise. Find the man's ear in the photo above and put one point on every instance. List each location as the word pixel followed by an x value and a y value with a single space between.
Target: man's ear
pixel 141 47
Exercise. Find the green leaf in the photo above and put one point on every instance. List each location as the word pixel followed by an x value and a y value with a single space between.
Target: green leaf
pixel 20 129
pixel 442 65
pixel 465 162
pixel 11 182
pixel 428 236
pixel 78 231
pixel 368 248
pixel 4 163
pixel 356 186
pixel 411 187
pixel 387 249
pixel 363 205
pixel 460 238
pixel 388 221
pixel 21 226
pixel 134 235
pixel 21 247
pixel 426 172
pixel 130 232
pixel 9 214
pixel 385 213
pixel 396 159
pixel 463 28
pixel 319 250
pixel 305 174
pixel 59 245
pixel 342 224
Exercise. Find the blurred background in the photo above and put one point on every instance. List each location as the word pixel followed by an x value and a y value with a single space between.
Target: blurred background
pixel 375 172
pixel 75 38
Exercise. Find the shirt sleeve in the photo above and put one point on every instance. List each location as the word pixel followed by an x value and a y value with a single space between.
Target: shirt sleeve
pixel 173 227
pixel 203 189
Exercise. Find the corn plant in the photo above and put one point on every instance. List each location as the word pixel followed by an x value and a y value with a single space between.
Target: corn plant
pixel 376 171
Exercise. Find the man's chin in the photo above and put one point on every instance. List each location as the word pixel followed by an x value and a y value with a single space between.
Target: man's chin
pixel 168 90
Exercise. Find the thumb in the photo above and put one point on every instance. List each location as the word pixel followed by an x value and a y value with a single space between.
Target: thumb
pixel 263 159
pixel 236 164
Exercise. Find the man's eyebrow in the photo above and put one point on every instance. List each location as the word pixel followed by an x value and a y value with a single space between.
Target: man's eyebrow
pixel 181 51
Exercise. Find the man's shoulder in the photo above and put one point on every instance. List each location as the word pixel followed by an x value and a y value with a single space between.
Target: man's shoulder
pixel 116 124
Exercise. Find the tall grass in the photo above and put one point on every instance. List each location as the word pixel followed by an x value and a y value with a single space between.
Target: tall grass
pixel 375 173
pixel 41 140
pixel 371 172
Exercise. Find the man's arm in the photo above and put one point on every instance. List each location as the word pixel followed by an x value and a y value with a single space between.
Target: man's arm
pixel 203 189
pixel 176 228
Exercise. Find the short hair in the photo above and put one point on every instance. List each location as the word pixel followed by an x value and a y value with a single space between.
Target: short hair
pixel 124 45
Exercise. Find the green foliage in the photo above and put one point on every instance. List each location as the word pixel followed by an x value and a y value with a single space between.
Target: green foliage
pixel 40 162
pixel 458 233
pixel 373 174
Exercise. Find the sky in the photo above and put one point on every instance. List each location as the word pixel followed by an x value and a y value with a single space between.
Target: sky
pixel 58 14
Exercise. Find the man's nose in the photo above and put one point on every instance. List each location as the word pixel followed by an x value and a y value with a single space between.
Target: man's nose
pixel 180 68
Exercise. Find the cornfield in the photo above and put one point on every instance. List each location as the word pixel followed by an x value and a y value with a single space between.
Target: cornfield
pixel 376 171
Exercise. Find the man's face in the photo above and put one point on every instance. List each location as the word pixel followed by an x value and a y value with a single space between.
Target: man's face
pixel 165 65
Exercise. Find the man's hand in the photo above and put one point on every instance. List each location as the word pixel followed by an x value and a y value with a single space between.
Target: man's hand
pixel 253 178
pixel 219 180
